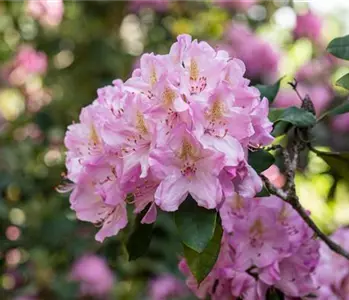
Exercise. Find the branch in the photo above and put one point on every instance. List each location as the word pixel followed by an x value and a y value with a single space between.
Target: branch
pixel 332 245
pixel 288 194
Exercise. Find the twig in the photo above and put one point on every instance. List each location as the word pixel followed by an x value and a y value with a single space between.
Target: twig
pixel 294 85
pixel 305 216
pixel 288 194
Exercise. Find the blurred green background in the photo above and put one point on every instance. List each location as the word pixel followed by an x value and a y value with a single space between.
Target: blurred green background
pixel 95 43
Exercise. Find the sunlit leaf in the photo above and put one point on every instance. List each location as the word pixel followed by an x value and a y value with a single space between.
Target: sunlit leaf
pixel 195 224
pixel 338 162
pixel 344 81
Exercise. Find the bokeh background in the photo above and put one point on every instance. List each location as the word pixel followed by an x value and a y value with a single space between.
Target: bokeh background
pixel 53 58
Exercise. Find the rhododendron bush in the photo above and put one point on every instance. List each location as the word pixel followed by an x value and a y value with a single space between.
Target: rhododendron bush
pixel 173 150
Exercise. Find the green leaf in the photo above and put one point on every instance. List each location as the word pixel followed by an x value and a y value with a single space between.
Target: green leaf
pixel 269 91
pixel 338 162
pixel 297 117
pixel 339 47
pixel 195 224
pixel 280 128
pixel 260 160
pixel 340 109
pixel 263 193
pixel 139 240
pixel 344 81
pixel 275 113
pixel 274 294
pixel 201 264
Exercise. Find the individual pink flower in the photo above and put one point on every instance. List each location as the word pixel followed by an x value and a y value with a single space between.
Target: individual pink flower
pixel 257 240
pixel 84 143
pixel 165 287
pixel 241 5
pixel 183 167
pixel 48 12
pixel 341 123
pixel 308 25
pixel 94 275
pixel 101 206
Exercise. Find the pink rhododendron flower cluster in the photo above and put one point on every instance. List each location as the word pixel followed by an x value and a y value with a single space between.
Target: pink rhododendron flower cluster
pixel 48 12
pixel 166 287
pixel 94 276
pixel 242 43
pixel 308 25
pixel 332 273
pixel 26 63
pixel 241 5
pixel 181 124
pixel 266 243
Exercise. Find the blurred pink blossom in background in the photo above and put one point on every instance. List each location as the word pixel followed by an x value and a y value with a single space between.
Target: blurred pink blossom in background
pixel 286 98
pixel 27 62
pixel 319 69
pixel 341 123
pixel 166 287
pixel 94 275
pixel 260 58
pixel 320 94
pixel 47 12
pixel 242 5
pixel 309 26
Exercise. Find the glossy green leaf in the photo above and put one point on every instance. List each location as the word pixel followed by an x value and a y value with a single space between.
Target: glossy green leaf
pixel 195 224
pixel 269 91
pixel 297 117
pixel 339 47
pixel 139 240
pixel 200 264
pixel 344 81
pixel 260 160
